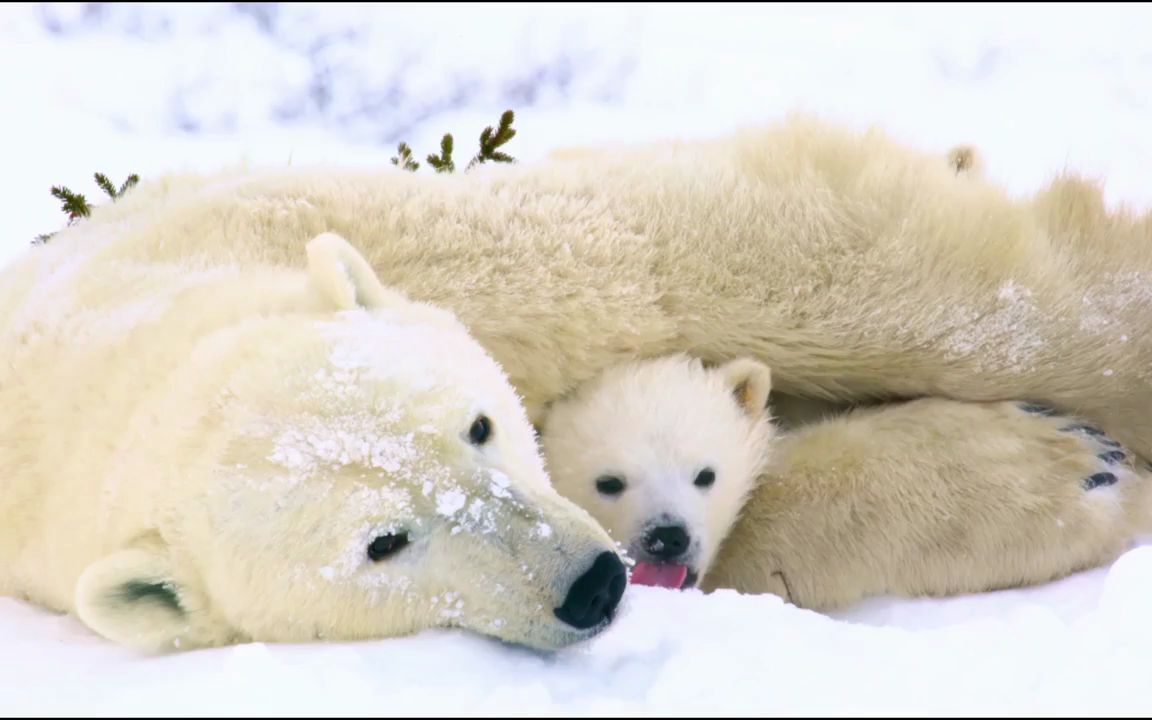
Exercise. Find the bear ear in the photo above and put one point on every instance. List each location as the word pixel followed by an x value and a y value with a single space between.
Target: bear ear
pixel 750 382
pixel 131 598
pixel 343 276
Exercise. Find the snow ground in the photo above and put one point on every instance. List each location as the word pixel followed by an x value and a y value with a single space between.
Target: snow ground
pixel 152 88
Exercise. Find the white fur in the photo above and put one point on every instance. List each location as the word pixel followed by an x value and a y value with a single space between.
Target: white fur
pixel 656 424
pixel 214 469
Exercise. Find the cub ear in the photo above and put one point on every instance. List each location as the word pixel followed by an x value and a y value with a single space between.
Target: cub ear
pixel 750 382
pixel 131 598
pixel 344 277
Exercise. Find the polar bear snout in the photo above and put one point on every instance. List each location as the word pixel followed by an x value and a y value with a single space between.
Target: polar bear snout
pixel 667 542
pixel 594 597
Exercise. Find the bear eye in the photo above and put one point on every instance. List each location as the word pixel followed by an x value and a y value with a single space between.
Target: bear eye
pixel 705 478
pixel 609 485
pixel 481 430
pixel 386 545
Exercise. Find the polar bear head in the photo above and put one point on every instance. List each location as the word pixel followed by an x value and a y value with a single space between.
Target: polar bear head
pixel 663 453
pixel 362 469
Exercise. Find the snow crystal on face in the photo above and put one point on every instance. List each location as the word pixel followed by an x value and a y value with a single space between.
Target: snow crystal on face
pixel 339 383
pixel 479 519
pixel 499 485
pixel 453 611
pixel 543 530
pixel 366 342
pixel 420 357
pixel 499 479
pixel 377 580
pixel 449 603
pixel 450 502
pixel 287 456
pixel 341 441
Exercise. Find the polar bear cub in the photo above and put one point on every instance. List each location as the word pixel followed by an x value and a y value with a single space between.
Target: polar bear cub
pixel 704 487
pixel 663 454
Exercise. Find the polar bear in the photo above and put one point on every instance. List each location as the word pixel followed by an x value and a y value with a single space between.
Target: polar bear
pixel 200 453
pixel 662 453
pixel 815 513
pixel 857 268
pixel 853 266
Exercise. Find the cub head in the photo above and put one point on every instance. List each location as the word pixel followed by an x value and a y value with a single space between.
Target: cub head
pixel 363 469
pixel 663 453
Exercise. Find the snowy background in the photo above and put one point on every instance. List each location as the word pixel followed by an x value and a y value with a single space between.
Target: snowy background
pixel 159 87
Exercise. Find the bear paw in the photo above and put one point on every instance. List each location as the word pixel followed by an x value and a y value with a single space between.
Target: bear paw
pixel 1106 460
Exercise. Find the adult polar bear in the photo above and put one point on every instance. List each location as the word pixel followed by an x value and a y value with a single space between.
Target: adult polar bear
pixel 854 267
pixel 197 453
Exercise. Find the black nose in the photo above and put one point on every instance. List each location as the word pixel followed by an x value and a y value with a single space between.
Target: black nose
pixel 667 542
pixel 594 596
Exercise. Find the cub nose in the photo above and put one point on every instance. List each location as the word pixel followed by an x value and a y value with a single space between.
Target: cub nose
pixel 593 598
pixel 667 542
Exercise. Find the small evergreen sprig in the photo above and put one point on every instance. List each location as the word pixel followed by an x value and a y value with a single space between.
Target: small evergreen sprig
pixel 491 140
pixel 404 160
pixel 443 162
pixel 76 206
pixel 110 189
pixel 72 203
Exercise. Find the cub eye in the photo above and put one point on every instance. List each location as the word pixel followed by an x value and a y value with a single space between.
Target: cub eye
pixel 480 431
pixel 386 545
pixel 610 485
pixel 705 478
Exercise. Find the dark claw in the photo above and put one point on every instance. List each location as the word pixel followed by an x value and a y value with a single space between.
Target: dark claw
pixel 1095 432
pixel 1115 456
pixel 1099 480
pixel 1087 430
pixel 1037 409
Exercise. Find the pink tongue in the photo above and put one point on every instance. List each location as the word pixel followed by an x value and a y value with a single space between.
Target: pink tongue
pixel 668 576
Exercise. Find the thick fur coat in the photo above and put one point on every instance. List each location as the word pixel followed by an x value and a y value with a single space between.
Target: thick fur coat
pixel 856 268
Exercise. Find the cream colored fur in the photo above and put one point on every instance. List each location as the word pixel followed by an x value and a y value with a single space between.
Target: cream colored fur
pixel 655 425
pixel 199 448
pixel 855 267
pixel 850 264
pixel 931 497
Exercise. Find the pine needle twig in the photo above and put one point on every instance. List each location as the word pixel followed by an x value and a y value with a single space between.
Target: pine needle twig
pixel 491 140
pixel 128 184
pixel 443 162
pixel 403 158
pixel 76 206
